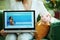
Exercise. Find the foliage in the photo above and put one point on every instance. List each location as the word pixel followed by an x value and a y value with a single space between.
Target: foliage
pixel 51 5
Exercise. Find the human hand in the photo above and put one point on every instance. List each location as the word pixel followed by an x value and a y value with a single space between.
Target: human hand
pixel 3 33
pixel 46 18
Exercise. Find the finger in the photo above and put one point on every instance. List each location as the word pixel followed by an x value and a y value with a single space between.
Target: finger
pixel 2 31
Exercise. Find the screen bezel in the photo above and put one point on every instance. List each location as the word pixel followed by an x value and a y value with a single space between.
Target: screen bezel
pixel 19 28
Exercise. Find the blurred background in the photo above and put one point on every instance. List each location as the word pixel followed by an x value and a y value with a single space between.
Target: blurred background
pixel 53 6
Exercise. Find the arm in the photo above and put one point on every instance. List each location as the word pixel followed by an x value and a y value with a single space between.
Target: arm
pixel 45 16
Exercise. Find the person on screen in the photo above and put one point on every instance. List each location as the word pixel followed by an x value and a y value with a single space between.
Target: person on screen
pixel 11 22
pixel 36 5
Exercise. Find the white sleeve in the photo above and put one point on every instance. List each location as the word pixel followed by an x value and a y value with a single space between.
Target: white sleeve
pixel 43 10
pixel 12 4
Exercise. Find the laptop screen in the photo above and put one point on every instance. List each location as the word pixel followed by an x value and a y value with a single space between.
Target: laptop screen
pixel 21 20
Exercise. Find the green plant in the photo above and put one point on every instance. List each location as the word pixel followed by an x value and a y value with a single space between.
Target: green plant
pixel 51 5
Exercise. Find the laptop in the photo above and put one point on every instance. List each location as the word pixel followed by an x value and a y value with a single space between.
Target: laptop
pixel 19 21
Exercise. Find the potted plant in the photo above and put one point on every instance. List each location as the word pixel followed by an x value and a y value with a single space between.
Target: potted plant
pixel 55 6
